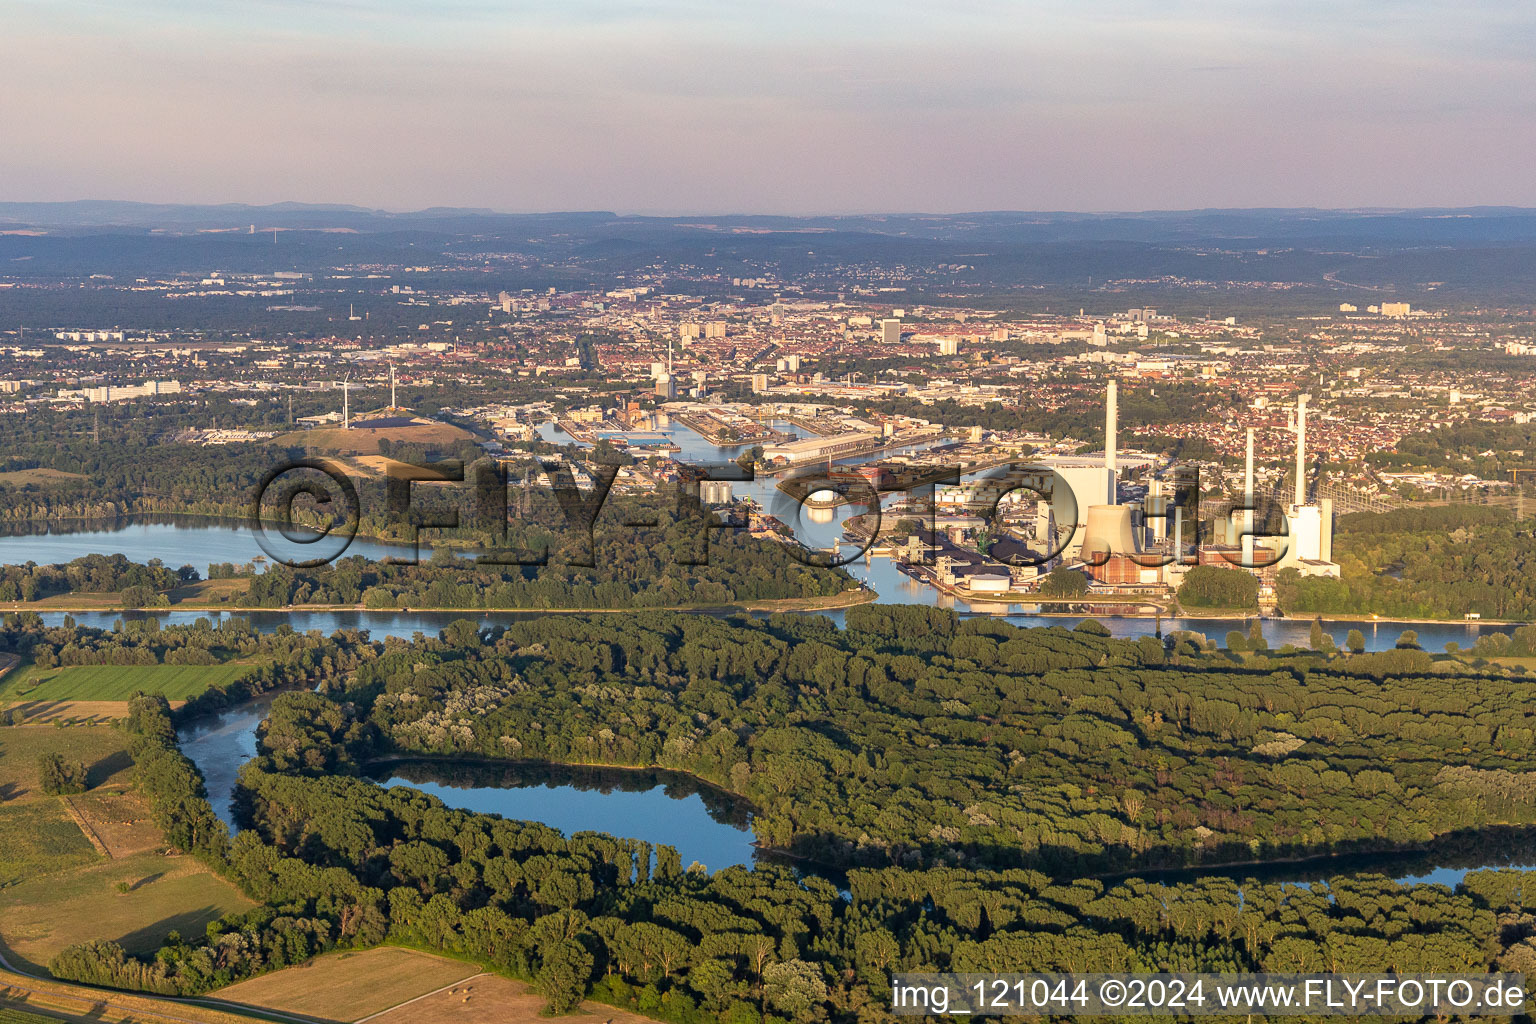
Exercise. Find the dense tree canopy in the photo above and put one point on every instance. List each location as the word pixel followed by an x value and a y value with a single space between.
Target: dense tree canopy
pixel 337 862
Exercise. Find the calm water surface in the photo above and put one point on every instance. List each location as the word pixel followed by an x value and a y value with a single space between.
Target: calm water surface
pixel 1379 636
pixel 713 828
pixel 706 826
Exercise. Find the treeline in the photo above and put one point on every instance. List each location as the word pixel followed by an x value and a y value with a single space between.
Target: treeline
pixel 1443 562
pixel 677 562
pixel 92 574
pixel 340 863
pixel 1214 586
pixel 171 783
pixel 132 474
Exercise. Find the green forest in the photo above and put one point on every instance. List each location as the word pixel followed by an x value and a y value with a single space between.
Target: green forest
pixel 1019 764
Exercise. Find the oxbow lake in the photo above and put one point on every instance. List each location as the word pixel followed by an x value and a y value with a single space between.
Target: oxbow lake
pixel 713 828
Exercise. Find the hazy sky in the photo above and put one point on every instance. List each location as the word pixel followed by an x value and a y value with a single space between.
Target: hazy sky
pixel 773 106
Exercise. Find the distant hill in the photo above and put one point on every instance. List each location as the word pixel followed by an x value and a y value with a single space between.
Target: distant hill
pixel 1470 225
pixel 1258 260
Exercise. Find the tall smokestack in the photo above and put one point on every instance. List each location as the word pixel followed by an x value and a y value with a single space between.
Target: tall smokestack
pixel 1248 500
pixel 1111 422
pixel 1301 449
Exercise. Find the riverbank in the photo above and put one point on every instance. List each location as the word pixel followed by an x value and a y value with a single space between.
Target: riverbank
pixel 831 602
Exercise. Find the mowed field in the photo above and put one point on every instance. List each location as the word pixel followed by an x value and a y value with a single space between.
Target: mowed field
pixel 23 1017
pixel 490 999
pixel 42 914
pixel 37 477
pixel 346 987
pixel 57 888
pixel 116 682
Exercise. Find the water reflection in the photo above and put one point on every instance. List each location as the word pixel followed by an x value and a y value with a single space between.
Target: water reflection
pixel 705 824
pixel 197 541
pixel 1445 861
pixel 220 744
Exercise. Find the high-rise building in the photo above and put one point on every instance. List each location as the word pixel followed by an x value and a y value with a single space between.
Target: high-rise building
pixel 715 329
pixel 1395 309
pixel 890 332
pixel 759 383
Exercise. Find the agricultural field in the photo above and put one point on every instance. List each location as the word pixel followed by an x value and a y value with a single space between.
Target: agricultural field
pixel 490 999
pixel 25 999
pixel 119 819
pixel 39 837
pixel 104 751
pixel 57 887
pixel 9 1016
pixel 39 916
pixel 349 986
pixel 115 682
pixel 37 834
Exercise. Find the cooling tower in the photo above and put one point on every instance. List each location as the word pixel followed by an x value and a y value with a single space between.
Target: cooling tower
pixel 1108 532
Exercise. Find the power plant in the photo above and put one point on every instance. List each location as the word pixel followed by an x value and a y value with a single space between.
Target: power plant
pixel 1107 540
pixel 1107 525
pixel 1308 542
pixel 1310 545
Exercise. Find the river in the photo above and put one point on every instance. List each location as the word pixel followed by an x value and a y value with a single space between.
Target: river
pixel 706 826
pixel 1379 636
pixel 194 542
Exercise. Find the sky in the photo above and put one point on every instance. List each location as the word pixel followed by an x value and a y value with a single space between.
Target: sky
pixel 775 106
